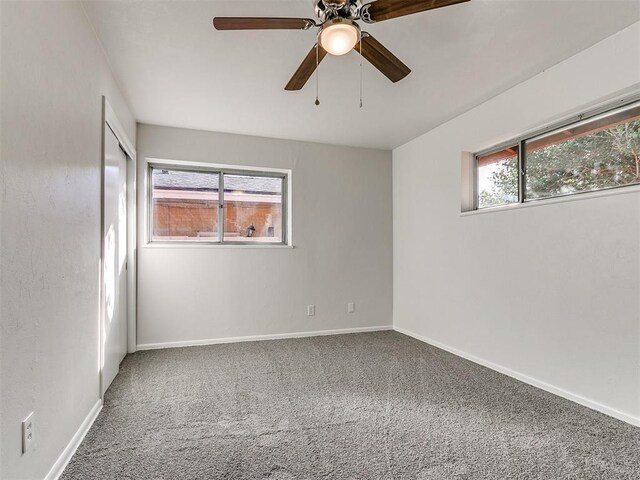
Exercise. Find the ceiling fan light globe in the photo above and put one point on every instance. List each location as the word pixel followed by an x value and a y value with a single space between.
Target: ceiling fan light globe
pixel 339 38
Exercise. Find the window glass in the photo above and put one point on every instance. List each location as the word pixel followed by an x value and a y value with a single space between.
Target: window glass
pixel 497 174
pixel 184 205
pixel 595 154
pixel 253 208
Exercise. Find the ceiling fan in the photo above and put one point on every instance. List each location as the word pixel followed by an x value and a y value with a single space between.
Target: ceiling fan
pixel 339 33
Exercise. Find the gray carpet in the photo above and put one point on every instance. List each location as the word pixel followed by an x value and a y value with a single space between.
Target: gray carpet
pixel 360 406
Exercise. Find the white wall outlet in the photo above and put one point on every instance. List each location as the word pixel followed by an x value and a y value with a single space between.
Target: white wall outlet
pixel 28 433
pixel 351 307
pixel 311 310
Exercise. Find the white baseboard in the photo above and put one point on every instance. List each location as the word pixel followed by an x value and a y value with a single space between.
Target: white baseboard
pixel 254 338
pixel 75 442
pixel 612 412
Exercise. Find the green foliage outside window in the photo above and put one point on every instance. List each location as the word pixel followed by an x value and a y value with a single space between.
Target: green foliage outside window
pixel 604 159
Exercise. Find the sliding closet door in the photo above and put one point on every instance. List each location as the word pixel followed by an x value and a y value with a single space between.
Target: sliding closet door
pixel 114 326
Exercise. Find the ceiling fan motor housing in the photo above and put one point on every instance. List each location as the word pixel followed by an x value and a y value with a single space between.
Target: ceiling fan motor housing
pixel 328 9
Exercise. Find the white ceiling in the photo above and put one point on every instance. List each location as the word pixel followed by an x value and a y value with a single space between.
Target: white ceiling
pixel 176 70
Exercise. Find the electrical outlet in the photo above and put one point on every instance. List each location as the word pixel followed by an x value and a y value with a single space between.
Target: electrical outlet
pixel 351 307
pixel 28 433
pixel 311 310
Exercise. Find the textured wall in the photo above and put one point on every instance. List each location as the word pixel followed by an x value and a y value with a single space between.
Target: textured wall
pixel 550 291
pixel 342 235
pixel 53 76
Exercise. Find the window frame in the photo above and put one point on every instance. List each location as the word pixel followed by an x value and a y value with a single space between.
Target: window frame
pixel 221 171
pixel 475 166
pixel 520 141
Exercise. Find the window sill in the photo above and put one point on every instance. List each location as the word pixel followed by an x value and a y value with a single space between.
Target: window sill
pixel 554 200
pixel 213 245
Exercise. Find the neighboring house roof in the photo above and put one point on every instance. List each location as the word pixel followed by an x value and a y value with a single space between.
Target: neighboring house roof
pixel 203 181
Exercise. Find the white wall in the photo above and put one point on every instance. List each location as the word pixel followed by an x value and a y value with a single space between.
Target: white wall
pixel 341 232
pixel 53 76
pixel 550 291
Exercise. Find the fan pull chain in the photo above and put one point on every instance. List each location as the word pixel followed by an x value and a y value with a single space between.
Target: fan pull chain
pixel 361 70
pixel 317 80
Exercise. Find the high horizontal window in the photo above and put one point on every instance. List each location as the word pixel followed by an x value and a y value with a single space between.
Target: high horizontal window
pixel 594 153
pixel 217 206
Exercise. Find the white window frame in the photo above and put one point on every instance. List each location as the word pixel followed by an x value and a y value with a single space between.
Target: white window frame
pixel 221 170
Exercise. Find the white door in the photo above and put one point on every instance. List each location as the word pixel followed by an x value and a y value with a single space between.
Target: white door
pixel 114 333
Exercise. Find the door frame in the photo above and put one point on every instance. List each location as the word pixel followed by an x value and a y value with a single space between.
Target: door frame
pixel 110 121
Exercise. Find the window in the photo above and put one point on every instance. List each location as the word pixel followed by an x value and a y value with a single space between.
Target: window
pixel 253 208
pixel 595 153
pixel 498 177
pixel 187 206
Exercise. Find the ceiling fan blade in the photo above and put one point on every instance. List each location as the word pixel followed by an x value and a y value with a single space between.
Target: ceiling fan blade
pixel 386 9
pixel 262 23
pixel 306 69
pixel 382 59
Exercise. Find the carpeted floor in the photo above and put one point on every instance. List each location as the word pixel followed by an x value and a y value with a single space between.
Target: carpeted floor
pixel 359 406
